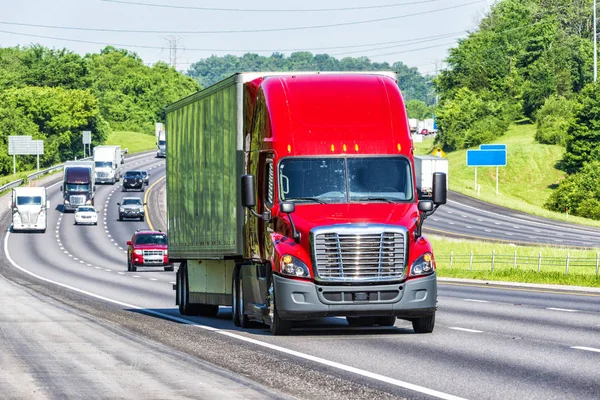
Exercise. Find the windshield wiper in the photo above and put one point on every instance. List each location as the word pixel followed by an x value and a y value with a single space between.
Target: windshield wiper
pixel 307 198
pixel 376 199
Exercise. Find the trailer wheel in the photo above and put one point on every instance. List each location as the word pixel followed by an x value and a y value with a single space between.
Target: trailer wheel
pixel 424 324
pixel 237 309
pixel 279 326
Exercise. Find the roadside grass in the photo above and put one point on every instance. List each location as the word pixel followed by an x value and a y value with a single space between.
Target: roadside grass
pixel 135 142
pixel 506 262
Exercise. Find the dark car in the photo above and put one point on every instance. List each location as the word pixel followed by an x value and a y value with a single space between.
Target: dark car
pixel 148 248
pixel 133 180
pixel 146 176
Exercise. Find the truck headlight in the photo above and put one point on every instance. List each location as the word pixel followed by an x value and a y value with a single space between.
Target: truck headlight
pixel 292 266
pixel 88 202
pixel 66 201
pixel 423 265
pixel 138 252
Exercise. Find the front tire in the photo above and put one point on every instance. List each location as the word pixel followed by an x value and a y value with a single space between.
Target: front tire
pixel 279 326
pixel 237 309
pixel 424 324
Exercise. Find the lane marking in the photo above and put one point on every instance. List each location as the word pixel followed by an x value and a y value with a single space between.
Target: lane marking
pixel 586 348
pixel 465 329
pixel 521 289
pixel 148 221
pixel 476 301
pixel 561 309
pixel 319 360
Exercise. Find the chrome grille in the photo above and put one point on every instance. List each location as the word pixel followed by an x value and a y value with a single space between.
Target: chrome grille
pixel 76 200
pixel 101 174
pixel 152 253
pixel 359 253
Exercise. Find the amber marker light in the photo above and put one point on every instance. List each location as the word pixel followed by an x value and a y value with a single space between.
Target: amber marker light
pixel 399 147
pixel 344 148
pixel 427 257
pixel 356 147
pixel 332 148
pixel 289 148
pixel 287 259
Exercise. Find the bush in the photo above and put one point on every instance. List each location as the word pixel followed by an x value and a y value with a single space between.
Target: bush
pixel 553 120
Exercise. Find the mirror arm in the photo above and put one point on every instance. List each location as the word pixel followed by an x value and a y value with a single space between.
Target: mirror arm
pixel 295 233
pixel 422 219
pixel 266 216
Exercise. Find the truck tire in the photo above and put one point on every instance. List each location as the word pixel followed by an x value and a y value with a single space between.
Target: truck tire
pixel 185 308
pixel 424 324
pixel 237 305
pixel 170 269
pixel 279 326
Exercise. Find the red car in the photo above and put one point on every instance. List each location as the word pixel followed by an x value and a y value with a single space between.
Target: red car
pixel 424 132
pixel 148 248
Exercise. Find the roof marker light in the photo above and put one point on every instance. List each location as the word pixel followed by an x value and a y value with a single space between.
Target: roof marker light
pixel 332 148
pixel 356 147
pixel 289 148
pixel 399 147
pixel 344 148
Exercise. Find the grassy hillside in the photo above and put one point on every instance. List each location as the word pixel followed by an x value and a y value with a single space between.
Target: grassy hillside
pixel 524 184
pixel 133 141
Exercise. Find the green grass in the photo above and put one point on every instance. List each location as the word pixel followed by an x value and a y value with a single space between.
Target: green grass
pixel 472 259
pixel 135 142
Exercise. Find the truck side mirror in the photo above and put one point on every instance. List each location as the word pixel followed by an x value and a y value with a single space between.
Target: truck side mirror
pixel 248 198
pixel 287 207
pixel 425 205
pixel 119 204
pixel 439 191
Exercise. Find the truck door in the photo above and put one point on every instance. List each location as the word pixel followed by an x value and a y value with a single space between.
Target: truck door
pixel 266 192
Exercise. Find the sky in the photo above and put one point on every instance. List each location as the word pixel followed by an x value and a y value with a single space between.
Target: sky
pixel 417 33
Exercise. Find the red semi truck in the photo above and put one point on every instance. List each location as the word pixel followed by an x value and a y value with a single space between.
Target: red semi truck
pixel 292 196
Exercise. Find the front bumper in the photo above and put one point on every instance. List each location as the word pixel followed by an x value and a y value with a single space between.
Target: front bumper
pixel 130 214
pixel 28 227
pixel 298 300
pixel 89 221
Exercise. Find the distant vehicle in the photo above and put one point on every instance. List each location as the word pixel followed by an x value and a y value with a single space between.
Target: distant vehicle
pixel 107 161
pixel 146 177
pixel 413 125
pixel 425 166
pixel 133 180
pixel 29 209
pixel 131 207
pixel 161 142
pixel 424 132
pixel 86 215
pixel 148 248
pixel 123 152
pixel 79 184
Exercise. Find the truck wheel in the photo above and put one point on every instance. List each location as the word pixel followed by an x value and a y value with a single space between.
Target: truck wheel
pixel 361 321
pixel 279 326
pixel 170 269
pixel 237 309
pixel 424 324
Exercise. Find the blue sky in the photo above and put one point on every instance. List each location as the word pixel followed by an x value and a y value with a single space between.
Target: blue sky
pixel 415 32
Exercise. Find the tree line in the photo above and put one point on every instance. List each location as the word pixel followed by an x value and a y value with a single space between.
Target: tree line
pixel 54 95
pixel 529 60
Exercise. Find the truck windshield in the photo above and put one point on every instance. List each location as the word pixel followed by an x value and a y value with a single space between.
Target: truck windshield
pixel 77 187
pixel 339 180
pixel 161 142
pixel 132 201
pixel 29 200
pixel 103 164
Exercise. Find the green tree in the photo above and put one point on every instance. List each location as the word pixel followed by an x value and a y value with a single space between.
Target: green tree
pixel 553 120
pixel 418 109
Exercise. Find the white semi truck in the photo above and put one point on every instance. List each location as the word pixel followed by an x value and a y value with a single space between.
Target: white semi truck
pixel 161 144
pixel 425 166
pixel 29 209
pixel 107 161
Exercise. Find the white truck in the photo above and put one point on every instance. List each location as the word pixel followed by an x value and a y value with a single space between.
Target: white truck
pixel 425 166
pixel 29 209
pixel 161 143
pixel 107 161
pixel 413 124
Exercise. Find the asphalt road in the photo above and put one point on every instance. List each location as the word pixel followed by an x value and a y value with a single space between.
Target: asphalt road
pixel 489 342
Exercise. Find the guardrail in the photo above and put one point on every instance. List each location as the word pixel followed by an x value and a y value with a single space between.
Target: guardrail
pixel 11 185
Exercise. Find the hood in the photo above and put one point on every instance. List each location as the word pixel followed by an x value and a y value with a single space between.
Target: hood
pixel 308 216
pixel 29 208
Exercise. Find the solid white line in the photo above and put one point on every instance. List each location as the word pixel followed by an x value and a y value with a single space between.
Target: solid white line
pixel 465 329
pixel 333 364
pixel 586 348
pixel 560 309
pixel 476 301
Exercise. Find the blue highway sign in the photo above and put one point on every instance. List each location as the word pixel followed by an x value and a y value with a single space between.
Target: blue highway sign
pixel 486 158
pixel 492 147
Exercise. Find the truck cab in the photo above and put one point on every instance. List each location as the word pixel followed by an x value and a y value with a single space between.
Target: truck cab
pixel 29 209
pixel 107 164
pixel 79 184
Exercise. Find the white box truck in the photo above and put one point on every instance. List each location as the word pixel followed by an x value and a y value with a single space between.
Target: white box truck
pixel 161 143
pixel 29 209
pixel 107 162
pixel 425 166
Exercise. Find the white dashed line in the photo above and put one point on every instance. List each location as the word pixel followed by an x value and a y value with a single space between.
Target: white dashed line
pixel 108 270
pixel 465 330
pixel 97 267
pixel 121 273
pixel 487 230
pixel 468 227
pixel 476 301
pixel 586 348
pixel 153 279
pixel 135 276
pixel 561 309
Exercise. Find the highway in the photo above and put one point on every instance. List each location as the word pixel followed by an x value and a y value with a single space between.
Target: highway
pixel 75 323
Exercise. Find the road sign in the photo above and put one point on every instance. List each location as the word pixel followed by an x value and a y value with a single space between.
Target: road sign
pixel 39 146
pixel 438 152
pixel 486 158
pixel 492 147
pixel 87 137
pixel 21 145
